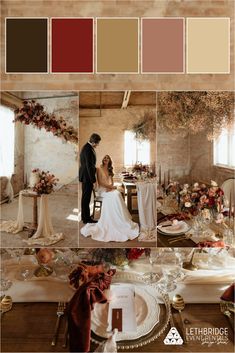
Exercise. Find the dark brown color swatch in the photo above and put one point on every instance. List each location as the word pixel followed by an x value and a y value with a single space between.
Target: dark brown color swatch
pixel 26 45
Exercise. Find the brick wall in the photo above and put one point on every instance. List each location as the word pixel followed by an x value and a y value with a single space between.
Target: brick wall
pixel 112 8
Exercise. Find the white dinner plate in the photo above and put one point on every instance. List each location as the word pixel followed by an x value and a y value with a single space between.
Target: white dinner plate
pixel 181 228
pixel 147 315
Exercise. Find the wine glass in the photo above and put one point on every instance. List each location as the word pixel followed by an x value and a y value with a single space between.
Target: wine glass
pixel 63 262
pixel 153 257
pixel 170 270
pixel 5 283
pixel 182 254
pixel 25 272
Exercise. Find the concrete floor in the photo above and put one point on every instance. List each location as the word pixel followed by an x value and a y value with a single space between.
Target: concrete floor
pixel 63 205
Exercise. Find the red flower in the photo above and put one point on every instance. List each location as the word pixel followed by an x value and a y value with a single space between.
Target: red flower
pixel 134 253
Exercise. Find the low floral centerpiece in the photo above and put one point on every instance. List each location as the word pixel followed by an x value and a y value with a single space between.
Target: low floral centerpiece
pixel 201 197
pixel 117 257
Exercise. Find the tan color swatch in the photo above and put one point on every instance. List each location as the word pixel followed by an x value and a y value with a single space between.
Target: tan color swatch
pixel 117 45
pixel 208 47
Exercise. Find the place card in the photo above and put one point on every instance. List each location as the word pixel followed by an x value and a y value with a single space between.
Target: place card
pixel 121 314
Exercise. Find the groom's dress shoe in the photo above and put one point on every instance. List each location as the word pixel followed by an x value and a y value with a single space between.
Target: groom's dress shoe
pixel 90 221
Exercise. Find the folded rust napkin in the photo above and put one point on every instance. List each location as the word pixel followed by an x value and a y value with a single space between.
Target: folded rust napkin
pixel 80 306
pixel 211 244
pixel 229 294
pixel 182 216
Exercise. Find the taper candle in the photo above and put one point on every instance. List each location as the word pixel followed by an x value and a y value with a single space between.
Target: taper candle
pixel 230 205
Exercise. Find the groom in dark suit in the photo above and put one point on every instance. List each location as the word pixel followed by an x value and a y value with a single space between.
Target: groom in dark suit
pixel 87 175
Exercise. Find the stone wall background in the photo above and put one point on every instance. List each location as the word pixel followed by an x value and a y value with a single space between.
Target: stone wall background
pixel 115 8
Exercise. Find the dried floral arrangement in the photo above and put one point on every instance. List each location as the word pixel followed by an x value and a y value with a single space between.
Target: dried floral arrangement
pixel 45 183
pixel 33 113
pixel 145 128
pixel 183 112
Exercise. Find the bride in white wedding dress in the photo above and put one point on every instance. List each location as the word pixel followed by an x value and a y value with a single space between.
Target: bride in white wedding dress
pixel 115 222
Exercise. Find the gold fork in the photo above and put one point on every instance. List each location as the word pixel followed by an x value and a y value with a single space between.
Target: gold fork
pixel 59 313
pixel 225 310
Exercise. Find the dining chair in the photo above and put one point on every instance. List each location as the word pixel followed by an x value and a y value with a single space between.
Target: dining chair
pixel 228 188
pixel 97 202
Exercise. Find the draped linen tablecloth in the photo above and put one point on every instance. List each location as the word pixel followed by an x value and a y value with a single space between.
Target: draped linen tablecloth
pixel 45 234
pixel 147 207
pixel 202 286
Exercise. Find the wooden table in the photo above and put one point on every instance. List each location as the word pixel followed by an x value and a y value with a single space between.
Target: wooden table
pixel 29 327
pixel 131 191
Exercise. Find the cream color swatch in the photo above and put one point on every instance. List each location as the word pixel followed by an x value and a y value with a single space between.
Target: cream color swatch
pixel 208 47
pixel 117 45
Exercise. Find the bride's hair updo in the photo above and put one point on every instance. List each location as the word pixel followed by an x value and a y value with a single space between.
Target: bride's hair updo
pixel 110 165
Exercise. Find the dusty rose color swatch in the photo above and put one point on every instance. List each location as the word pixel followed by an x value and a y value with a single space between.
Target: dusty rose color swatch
pixel 162 45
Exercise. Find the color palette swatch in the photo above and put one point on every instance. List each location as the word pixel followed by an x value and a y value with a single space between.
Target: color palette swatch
pixel 117 45
pixel 208 45
pixel 162 45
pixel 72 45
pixel 26 45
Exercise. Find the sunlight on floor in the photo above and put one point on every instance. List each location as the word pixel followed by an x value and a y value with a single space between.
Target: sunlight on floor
pixel 74 217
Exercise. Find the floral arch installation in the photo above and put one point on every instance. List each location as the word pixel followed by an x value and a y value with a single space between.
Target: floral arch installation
pixel 33 113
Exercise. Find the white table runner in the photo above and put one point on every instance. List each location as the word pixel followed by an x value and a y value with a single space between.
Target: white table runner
pixel 200 286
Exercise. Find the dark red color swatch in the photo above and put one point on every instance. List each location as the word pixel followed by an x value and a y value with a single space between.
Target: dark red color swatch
pixel 72 45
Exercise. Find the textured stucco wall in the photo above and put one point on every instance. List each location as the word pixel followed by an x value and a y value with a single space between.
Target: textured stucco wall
pixel 48 152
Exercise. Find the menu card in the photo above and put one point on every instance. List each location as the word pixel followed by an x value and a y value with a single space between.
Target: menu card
pixel 121 314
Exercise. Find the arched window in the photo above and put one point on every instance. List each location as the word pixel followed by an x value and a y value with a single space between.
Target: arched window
pixel 7 141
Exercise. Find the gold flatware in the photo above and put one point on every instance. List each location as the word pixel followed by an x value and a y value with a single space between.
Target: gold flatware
pixel 59 313
pixel 177 239
pixel 179 304
pixel 6 304
pixel 224 307
pixel 189 265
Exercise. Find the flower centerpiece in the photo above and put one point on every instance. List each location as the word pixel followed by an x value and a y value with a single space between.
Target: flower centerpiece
pixel 117 257
pixel 45 182
pixel 201 198
pixel 33 113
